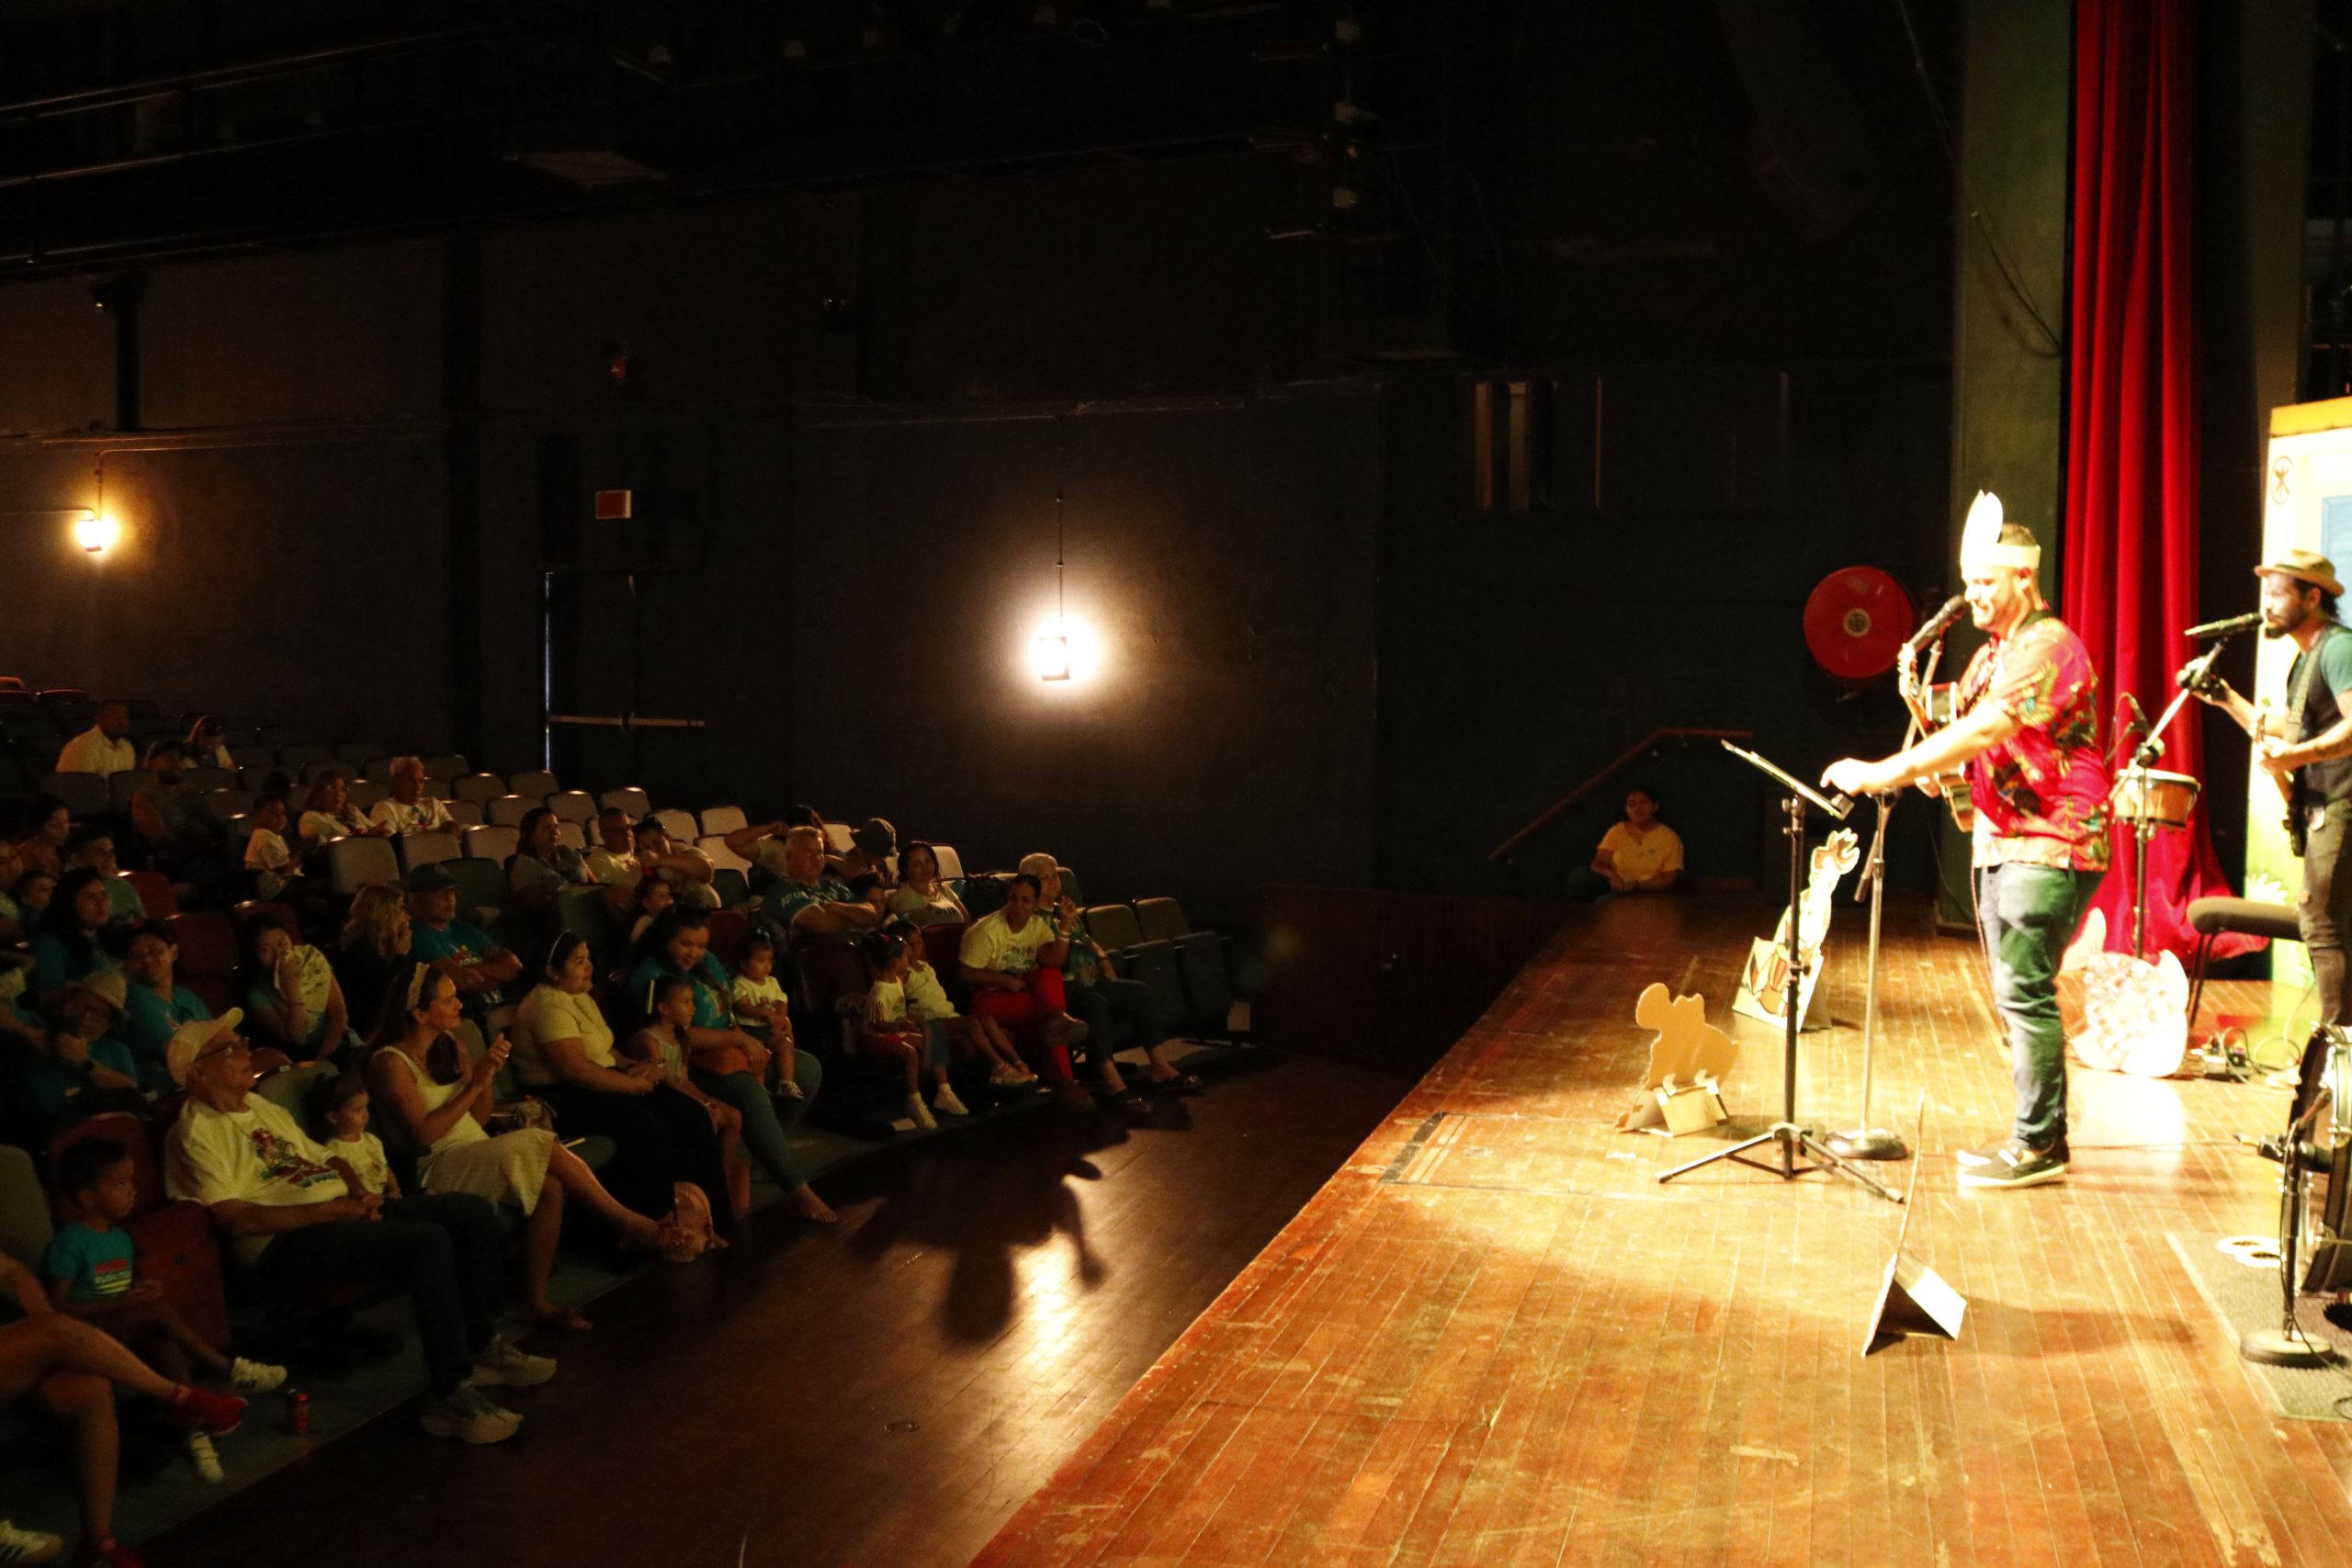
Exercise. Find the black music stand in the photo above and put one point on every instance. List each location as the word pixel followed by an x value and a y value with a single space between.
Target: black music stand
pixel 1793 1139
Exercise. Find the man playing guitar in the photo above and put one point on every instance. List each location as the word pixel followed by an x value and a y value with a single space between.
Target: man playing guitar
pixel 2299 594
pixel 2028 730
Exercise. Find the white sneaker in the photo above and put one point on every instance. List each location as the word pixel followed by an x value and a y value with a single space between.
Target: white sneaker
pixel 253 1377
pixel 467 1414
pixel 505 1366
pixel 201 1455
pixel 27 1546
pixel 946 1100
pixel 921 1112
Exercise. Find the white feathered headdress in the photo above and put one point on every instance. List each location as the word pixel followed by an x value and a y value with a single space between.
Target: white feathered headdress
pixel 1980 540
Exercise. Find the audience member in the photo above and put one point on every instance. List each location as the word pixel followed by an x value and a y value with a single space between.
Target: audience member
pixel 723 1060
pixel 439 1102
pixel 647 900
pixel 66 1061
pixel 65 947
pixel 761 1006
pixel 376 939
pixel 808 903
pixel 156 1004
pixel 662 1134
pixel 12 913
pixel 187 838
pixel 1012 960
pixel 91 845
pixel 612 859
pixel 687 870
pixel 327 813
pixel 31 894
pixel 105 748
pixel 871 847
pixel 292 998
pixel 69 1370
pixel 340 1114
pixel 288 1211
pixel 268 860
pixel 890 1035
pixel 928 1004
pixel 458 948
pixel 1640 854
pixel 923 895
pixel 92 1270
pixel 207 741
pixel 42 834
pixel 659 1051
pixel 1097 995
pixel 542 866
pixel 408 809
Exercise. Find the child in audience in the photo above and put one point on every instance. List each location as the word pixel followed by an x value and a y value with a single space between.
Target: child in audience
pixel 760 1004
pixel 267 860
pixel 669 1010
pixel 31 893
pixel 342 1127
pixel 648 898
pixel 92 1274
pixel 892 1035
pixel 928 1004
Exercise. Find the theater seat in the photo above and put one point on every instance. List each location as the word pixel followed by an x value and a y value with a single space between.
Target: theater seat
pixel 1115 926
pixel 208 963
pixel 717 821
pixel 477 787
pixel 536 783
pixel 481 886
pixel 728 930
pixel 1162 919
pixel 353 863
pixel 632 800
pixel 493 843
pixel 679 825
pixel 508 810
pixel 426 849
pixel 154 890
pixel 571 805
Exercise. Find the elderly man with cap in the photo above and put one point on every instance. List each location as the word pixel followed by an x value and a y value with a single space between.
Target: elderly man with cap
pixel 289 1208
pixel 2307 747
pixel 2028 732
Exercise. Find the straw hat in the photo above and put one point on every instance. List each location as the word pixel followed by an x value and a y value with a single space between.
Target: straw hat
pixel 2305 566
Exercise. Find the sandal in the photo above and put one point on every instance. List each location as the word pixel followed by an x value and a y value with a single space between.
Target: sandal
pixel 1127 1102
pixel 1176 1082
pixel 571 1318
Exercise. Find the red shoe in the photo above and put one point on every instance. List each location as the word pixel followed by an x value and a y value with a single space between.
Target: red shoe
pixel 216 1413
pixel 106 1553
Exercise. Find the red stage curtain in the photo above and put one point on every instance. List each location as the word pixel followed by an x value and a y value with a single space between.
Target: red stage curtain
pixel 2130 583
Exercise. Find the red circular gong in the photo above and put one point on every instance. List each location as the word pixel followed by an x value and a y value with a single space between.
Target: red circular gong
pixel 1855 620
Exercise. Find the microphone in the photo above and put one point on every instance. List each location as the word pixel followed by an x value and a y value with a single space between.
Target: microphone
pixel 2230 628
pixel 2139 713
pixel 1937 623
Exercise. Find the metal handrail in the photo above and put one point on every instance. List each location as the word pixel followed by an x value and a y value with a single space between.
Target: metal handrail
pixel 1569 801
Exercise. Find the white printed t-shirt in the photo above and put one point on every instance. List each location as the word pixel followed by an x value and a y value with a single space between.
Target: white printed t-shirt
pixel 254 1155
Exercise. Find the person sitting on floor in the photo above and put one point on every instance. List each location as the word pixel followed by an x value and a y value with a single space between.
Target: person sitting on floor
pixel 69 1370
pixel 105 748
pixel 458 948
pixel 726 1063
pixel 327 813
pixel 662 1134
pixel 438 1103
pixel 92 1270
pixel 923 895
pixel 156 1005
pixel 1640 854
pixel 377 936
pixel 288 1211
pixel 807 903
pixel 408 809
pixel 91 845
pixel 1012 960
pixel 292 998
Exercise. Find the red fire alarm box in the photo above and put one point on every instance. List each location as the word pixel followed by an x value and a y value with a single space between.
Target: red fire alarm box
pixel 611 505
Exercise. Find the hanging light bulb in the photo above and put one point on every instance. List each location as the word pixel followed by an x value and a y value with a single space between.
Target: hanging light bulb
pixel 98 533
pixel 1049 650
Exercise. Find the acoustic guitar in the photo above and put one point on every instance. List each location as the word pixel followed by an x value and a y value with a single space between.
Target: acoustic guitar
pixel 1768 976
pixel 2269 723
pixel 1934 707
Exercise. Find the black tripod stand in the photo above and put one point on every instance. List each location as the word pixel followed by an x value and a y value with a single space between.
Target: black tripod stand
pixel 1794 1139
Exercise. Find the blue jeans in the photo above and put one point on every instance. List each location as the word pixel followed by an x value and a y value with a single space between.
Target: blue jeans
pixel 2027 915
pixel 766 1119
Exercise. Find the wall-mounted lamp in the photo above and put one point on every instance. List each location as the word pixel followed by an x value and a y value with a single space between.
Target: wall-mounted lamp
pixel 1049 650
pixel 97 533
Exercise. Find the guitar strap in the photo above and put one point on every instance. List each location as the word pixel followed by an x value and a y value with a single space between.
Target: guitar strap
pixel 2298 690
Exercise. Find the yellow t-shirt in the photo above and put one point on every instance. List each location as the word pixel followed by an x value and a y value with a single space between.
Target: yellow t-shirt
pixel 1640 856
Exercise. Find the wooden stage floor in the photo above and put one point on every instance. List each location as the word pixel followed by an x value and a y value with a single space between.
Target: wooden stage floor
pixel 1493 1337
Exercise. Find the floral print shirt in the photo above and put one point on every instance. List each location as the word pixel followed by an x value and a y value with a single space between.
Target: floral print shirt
pixel 2040 795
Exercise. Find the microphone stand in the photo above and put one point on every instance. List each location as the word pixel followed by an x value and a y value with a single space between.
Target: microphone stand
pixel 2192 676
pixel 1870 1141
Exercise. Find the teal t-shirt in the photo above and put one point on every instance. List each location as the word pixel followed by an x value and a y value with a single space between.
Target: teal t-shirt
pixel 713 1007
pixel 147 1027
pixel 95 1264
pixel 787 896
pixel 40 1080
